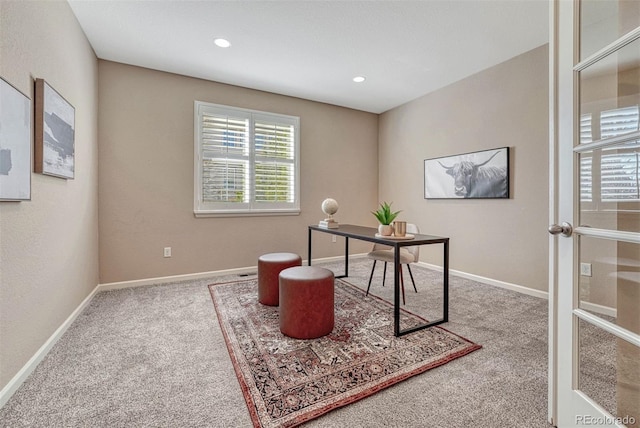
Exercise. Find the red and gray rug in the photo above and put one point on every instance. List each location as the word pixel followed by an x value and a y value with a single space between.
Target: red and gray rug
pixel 288 381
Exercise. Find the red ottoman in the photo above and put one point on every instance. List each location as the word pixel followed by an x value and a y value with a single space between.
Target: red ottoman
pixel 269 267
pixel 306 302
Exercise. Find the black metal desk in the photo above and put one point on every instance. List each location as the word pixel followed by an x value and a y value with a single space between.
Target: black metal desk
pixel 368 234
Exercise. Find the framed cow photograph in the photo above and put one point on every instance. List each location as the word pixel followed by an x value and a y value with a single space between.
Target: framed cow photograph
pixel 476 175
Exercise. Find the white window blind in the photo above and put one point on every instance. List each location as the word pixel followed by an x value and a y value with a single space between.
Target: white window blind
pixel 246 162
pixel 275 162
pixel 618 121
pixel 585 128
pixel 225 158
pixel 586 161
pixel 619 164
pixel 586 178
pixel 619 177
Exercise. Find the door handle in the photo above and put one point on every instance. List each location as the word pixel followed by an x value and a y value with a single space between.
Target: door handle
pixel 565 229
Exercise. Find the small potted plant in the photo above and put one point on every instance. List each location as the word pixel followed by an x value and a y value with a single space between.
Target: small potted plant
pixel 385 217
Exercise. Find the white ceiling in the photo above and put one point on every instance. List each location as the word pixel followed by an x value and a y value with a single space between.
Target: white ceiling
pixel 313 49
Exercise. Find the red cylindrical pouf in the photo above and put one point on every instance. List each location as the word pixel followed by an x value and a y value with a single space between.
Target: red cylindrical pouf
pixel 269 268
pixel 306 302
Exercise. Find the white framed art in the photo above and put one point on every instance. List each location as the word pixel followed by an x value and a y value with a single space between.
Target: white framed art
pixel 476 175
pixel 55 133
pixel 15 144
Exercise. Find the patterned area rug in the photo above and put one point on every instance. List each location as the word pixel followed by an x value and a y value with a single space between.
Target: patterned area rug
pixel 288 381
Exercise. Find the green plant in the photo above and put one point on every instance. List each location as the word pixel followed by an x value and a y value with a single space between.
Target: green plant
pixel 384 214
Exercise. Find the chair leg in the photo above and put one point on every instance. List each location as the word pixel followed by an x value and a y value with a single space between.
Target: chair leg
pixel 371 277
pixel 411 275
pixel 402 285
pixel 384 273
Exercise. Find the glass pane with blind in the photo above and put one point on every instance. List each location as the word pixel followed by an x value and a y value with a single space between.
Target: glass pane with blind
pixel 274 165
pixel 225 180
pixel 225 135
pixel 610 95
pixel 586 133
pixel 619 175
pixel 274 182
pixel 610 187
pixel 618 121
pixel 603 22
pixel 609 281
pixel 609 372
pixel 274 140
pixel 586 177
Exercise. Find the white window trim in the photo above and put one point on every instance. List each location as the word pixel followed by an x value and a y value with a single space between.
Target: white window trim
pixel 254 208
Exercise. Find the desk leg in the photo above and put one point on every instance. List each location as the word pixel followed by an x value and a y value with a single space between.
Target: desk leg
pixel 396 291
pixel 445 292
pixel 446 282
pixel 346 256
pixel 309 249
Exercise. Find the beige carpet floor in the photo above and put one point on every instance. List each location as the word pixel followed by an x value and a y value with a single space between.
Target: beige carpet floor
pixel 154 356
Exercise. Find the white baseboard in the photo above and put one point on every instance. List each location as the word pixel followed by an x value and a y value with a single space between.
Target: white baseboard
pixel 599 309
pixel 203 275
pixel 489 281
pixel 174 278
pixel 28 368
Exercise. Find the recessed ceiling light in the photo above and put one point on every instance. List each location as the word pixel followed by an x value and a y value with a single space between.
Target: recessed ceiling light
pixel 223 43
pixel 359 79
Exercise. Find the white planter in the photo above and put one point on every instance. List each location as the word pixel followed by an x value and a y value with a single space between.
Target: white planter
pixel 385 230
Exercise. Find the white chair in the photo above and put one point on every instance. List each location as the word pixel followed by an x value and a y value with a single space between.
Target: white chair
pixel 384 253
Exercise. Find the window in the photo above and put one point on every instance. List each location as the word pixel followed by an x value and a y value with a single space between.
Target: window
pixel 246 162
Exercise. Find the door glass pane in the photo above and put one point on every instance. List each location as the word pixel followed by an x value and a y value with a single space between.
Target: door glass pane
pixel 610 95
pixel 609 282
pixel 610 187
pixel 609 373
pixel 602 22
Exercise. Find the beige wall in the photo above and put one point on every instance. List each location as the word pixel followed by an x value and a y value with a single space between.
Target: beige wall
pixel 49 245
pixel 146 176
pixel 506 105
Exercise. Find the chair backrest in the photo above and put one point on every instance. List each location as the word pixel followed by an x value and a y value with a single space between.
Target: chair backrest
pixel 414 251
pixel 378 247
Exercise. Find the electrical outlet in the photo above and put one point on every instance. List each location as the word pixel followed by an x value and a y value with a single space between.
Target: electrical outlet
pixel 585 269
pixel 167 251
pixel 334 238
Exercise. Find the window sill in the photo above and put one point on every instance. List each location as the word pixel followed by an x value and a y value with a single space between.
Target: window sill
pixel 231 213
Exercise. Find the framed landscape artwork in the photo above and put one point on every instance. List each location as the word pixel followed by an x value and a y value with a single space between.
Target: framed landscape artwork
pixel 475 175
pixel 55 133
pixel 15 144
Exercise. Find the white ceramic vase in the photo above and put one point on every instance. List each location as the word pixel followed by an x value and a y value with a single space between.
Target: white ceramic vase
pixel 385 230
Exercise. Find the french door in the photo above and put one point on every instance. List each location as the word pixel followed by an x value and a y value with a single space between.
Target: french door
pixel 595 213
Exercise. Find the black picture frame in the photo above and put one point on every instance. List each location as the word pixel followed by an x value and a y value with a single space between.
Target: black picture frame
pixel 474 175
pixel 15 144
